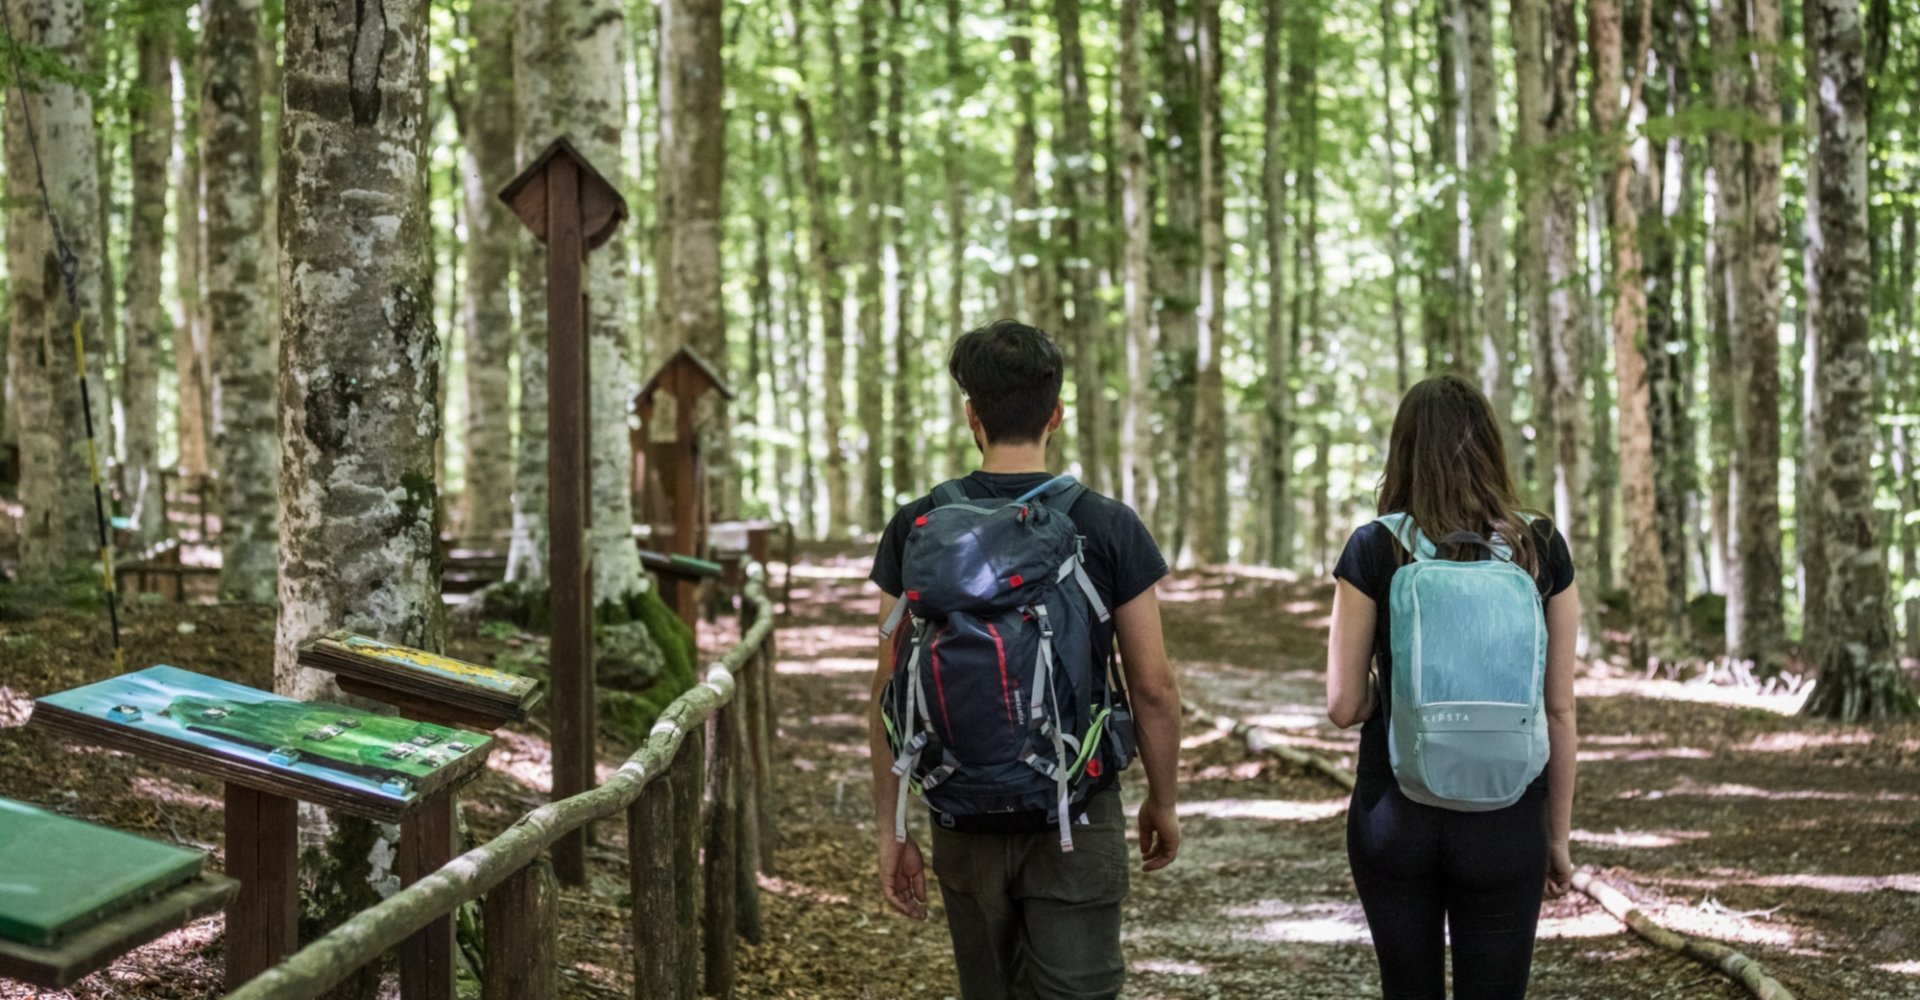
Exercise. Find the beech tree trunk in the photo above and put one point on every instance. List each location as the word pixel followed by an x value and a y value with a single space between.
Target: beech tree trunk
pixel 827 272
pixel 1208 511
pixel 1136 401
pixel 150 121
pixel 1075 193
pixel 1178 281
pixel 1487 184
pixel 1646 571
pixel 487 130
pixel 897 267
pixel 1280 347
pixel 58 534
pixel 534 126
pixel 238 321
pixel 1566 301
pixel 871 186
pixel 193 380
pixel 1667 196
pixel 1859 672
pixel 1727 273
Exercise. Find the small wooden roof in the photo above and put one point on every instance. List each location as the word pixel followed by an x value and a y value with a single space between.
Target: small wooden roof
pixel 602 209
pixel 686 359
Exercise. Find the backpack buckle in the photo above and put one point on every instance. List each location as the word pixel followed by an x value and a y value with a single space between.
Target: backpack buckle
pixel 1046 626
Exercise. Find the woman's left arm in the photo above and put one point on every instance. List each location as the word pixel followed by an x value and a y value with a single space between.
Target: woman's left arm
pixel 1563 735
pixel 1349 653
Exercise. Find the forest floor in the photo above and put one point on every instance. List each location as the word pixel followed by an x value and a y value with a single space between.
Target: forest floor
pixel 1798 843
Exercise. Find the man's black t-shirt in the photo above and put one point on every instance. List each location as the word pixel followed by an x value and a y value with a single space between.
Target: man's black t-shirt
pixel 1122 559
pixel 1371 558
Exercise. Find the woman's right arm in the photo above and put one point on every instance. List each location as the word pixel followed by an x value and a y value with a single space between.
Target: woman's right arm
pixel 1349 653
pixel 1563 736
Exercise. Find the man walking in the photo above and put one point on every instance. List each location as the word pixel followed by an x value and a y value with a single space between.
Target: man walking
pixel 1006 594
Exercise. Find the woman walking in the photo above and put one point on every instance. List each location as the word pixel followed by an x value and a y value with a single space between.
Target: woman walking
pixel 1465 610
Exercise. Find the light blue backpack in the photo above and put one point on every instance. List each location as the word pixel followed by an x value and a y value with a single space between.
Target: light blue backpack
pixel 1467 728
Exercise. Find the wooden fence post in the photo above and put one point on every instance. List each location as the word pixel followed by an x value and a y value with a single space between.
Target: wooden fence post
pixel 520 925
pixel 765 720
pixel 653 883
pixel 427 841
pixel 719 918
pixel 746 801
pixel 688 778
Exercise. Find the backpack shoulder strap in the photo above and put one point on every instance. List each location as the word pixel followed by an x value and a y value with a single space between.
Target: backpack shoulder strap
pixel 1064 499
pixel 949 492
pixel 1401 525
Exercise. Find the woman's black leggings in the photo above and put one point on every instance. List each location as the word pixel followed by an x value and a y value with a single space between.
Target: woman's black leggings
pixel 1425 874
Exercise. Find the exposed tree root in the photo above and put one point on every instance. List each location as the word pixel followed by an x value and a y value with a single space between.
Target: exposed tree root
pixel 1734 965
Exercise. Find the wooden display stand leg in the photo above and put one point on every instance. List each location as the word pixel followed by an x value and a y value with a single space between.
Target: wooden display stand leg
pixel 263 853
pixel 426 958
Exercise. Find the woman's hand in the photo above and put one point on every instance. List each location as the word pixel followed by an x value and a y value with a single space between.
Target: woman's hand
pixel 1559 870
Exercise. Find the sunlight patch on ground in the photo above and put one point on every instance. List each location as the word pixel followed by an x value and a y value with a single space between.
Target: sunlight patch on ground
pixel 175 794
pixel 1278 810
pixel 1202 738
pixel 1639 838
pixel 839 720
pixel 1595 923
pixel 1289 717
pixel 14 708
pixel 1171 967
pixel 1713 694
pixel 828 665
pixel 1901 968
pixel 848 570
pixel 1627 756
pixel 1795 741
pixel 1319 923
pixel 795 890
pixel 528 761
pixel 1732 791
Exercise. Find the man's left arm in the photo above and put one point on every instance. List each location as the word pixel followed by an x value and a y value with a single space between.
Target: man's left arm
pixel 1155 697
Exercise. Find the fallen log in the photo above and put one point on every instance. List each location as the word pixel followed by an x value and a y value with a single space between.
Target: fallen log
pixel 1260 739
pixel 1713 954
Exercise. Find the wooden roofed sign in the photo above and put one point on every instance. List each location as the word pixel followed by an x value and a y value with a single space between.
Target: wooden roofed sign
pixel 676 497
pixel 571 209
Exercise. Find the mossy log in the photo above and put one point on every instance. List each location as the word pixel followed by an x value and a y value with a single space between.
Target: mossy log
pixel 1713 954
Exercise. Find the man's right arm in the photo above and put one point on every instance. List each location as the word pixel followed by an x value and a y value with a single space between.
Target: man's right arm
pixel 1155 697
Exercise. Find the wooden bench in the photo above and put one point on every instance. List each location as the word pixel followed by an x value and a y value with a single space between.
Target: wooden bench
pixel 75 896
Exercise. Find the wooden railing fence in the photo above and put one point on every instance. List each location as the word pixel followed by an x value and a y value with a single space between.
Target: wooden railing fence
pixel 714 742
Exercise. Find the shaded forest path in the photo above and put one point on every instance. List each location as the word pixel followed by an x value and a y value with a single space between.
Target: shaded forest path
pixel 1714 812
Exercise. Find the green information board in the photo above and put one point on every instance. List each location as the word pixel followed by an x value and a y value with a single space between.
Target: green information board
pixel 60 875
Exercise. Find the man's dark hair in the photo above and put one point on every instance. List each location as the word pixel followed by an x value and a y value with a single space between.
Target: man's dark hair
pixel 1011 372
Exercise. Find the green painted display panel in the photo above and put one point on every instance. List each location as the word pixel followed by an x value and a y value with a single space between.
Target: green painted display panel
pixel 383 759
pixel 60 875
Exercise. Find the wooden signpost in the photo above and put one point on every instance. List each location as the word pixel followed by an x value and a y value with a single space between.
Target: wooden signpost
pixel 673 472
pixel 422 684
pixel 274 752
pixel 571 209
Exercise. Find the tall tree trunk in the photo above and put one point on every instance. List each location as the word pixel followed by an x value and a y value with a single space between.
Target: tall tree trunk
pixel 1727 272
pixel 238 324
pixel 1177 284
pixel 1076 194
pixel 1304 311
pixel 1136 433
pixel 902 425
pixel 193 380
pixel 58 533
pixel 589 73
pixel 151 125
pixel 1646 570
pixel 487 148
pixel 870 198
pixel 1859 673
pixel 1494 350
pixel 1566 301
pixel 828 279
pixel 1208 512
pixel 1529 29
pixel 1668 199
pixel 1450 335
pixel 1280 347
pixel 1755 516
pixel 954 156
pixel 534 127
pixel 359 362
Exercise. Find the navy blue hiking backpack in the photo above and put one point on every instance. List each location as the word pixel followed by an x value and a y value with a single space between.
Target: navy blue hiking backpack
pixel 996 705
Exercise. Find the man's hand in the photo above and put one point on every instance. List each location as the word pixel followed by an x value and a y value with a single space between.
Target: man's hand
pixel 903 876
pixel 1559 870
pixel 1159 835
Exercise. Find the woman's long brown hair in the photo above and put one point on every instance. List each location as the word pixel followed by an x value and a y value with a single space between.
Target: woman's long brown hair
pixel 1447 468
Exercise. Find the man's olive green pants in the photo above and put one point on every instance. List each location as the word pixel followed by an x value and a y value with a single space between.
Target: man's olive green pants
pixel 1031 922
